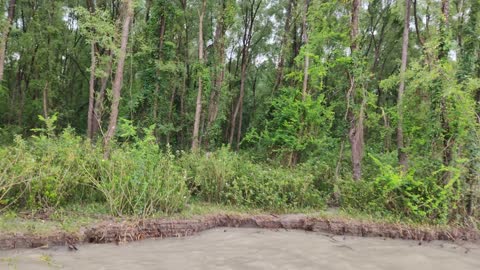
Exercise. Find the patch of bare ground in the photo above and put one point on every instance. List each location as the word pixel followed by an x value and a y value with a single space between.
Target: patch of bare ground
pixel 126 231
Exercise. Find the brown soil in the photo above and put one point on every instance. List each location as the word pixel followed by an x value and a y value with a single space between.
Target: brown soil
pixel 116 232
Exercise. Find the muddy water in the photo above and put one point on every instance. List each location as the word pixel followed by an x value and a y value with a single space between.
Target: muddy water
pixel 252 249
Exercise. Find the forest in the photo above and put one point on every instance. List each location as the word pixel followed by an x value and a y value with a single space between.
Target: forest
pixel 148 106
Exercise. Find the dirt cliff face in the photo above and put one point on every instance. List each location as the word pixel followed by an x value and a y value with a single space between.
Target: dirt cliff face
pixel 117 232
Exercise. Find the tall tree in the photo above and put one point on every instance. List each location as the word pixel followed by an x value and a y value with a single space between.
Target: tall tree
pixel 284 46
pixel 161 41
pixel 117 83
pixel 219 65
pixel 91 89
pixel 99 106
pixel 250 13
pixel 402 156
pixel 198 108
pixel 448 139
pixel 91 92
pixel 5 34
pixel 469 56
pixel 306 56
pixel 356 132
pixel 469 67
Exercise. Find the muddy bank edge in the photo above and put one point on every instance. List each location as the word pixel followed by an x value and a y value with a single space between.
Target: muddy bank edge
pixel 126 231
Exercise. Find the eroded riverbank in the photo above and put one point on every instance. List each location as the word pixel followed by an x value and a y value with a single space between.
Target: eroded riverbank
pixel 127 231
pixel 253 248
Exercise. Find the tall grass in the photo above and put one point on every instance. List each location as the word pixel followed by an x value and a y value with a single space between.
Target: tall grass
pixel 226 177
pixel 139 178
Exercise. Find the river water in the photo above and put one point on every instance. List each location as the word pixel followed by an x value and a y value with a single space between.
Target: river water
pixel 228 248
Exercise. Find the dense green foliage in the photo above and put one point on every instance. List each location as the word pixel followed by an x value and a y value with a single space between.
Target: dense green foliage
pixel 294 105
pixel 44 171
pixel 407 196
pixel 141 179
pixel 225 177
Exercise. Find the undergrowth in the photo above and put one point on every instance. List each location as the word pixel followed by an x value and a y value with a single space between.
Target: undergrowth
pixel 140 179
pixel 55 171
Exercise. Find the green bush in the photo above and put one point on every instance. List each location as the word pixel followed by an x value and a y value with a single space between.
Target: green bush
pixel 140 179
pixel 210 173
pixel 8 133
pixel 50 171
pixel 273 189
pixel 401 194
pixel 17 166
pixel 226 177
pixel 295 127
pixel 59 175
pixel 44 171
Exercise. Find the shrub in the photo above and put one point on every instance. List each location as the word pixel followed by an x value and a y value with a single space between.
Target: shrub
pixel 44 171
pixel 16 169
pixel 226 177
pixel 210 173
pixel 405 195
pixel 50 171
pixel 276 189
pixel 295 126
pixel 59 175
pixel 140 179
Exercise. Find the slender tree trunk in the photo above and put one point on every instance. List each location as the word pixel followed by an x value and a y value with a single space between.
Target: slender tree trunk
pixel 98 107
pixel 294 34
pixel 91 90
pixel 448 140
pixel 22 92
pixel 240 121
pixel 402 156
pixel 24 72
pixel 356 135
pixel 6 32
pixel 417 30
pixel 170 111
pixel 284 46
pixel 198 109
pixel 95 103
pixel 248 21
pixel 117 83
pixel 420 38
pixel 231 87
pixel 471 50
pixel 444 24
pixel 295 155
pixel 239 103
pixel 239 107
pixel 186 77
pixel 219 69
pixel 306 57
pixel 354 25
pixel 91 93
pixel 156 93
pixel 18 88
pixel 339 163
pixel 254 94
pixel 226 131
pixel 181 138
pixel 148 6
pixel 45 101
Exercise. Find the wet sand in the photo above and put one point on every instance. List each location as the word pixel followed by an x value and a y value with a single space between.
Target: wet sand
pixel 229 248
